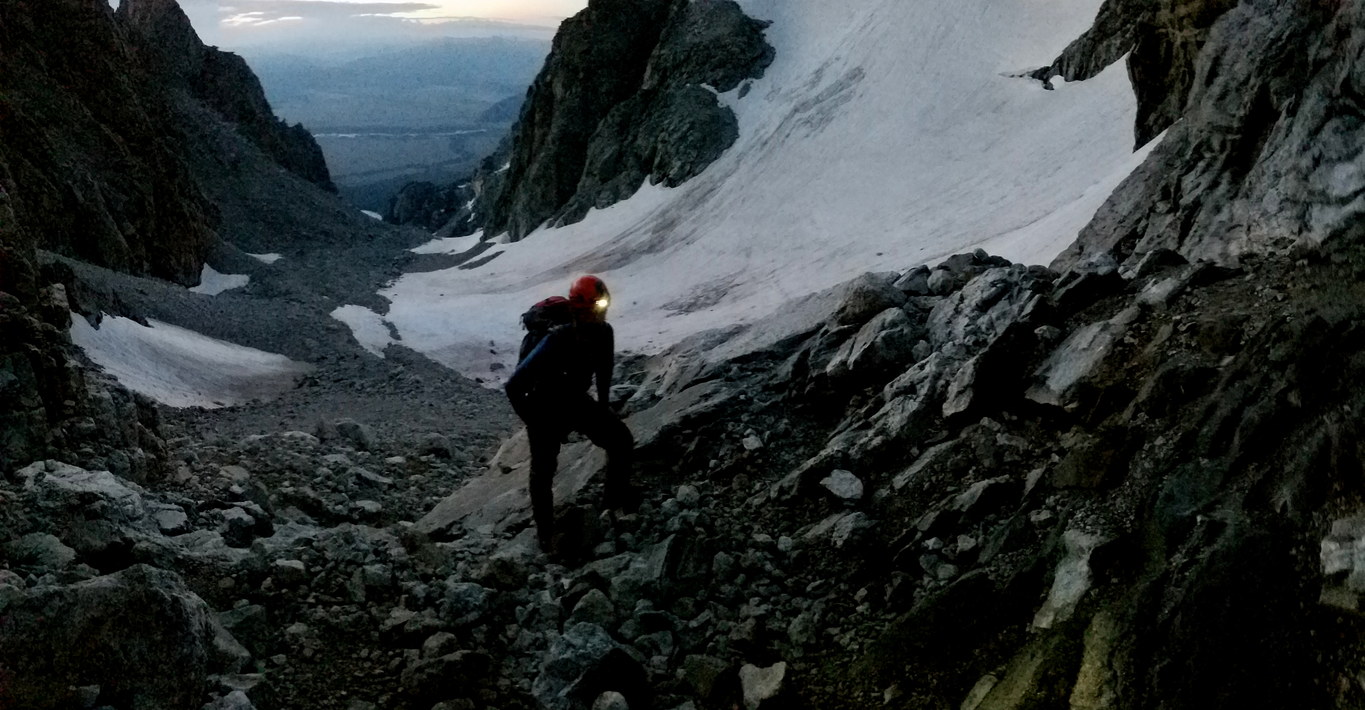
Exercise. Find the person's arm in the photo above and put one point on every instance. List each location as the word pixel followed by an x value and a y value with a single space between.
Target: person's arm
pixel 606 364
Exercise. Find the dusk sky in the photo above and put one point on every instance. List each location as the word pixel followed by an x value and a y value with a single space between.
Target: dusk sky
pixel 317 25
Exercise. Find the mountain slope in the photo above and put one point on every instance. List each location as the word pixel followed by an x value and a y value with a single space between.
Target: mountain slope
pixel 129 145
pixel 882 133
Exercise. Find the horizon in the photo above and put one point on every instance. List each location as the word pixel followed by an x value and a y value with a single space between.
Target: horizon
pixel 321 27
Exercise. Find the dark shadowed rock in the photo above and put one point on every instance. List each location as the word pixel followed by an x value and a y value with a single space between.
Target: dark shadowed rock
pixel 140 635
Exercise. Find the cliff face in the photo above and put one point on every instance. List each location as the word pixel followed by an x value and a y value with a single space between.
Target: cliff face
pixel 623 98
pixel 114 146
pixel 1268 147
pixel 223 82
pixel 95 168
pixel 1162 41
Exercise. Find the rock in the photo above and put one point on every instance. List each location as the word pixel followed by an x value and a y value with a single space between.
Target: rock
pixel 426 680
pixel 435 445
pixel 289 573
pixel 236 700
pixel 464 602
pixel 364 477
pixel 986 495
pixel 688 496
pixel 64 486
pixel 704 675
pixel 643 573
pixel 1071 580
pixel 844 485
pixel 594 608
pixel 338 461
pixel 39 552
pixel 236 474
pixel 802 629
pixel 610 700
pixel 250 625
pixel 441 643
pixel 1076 359
pixel 760 685
pixel 361 436
pixel 942 282
pixel 914 282
pixel 369 508
pixel 882 344
pixel 582 664
pixel 169 519
pixel 864 297
pixel 139 630
pixel 237 527
pixel 849 529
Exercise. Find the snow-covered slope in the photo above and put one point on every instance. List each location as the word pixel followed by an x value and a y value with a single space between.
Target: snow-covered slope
pixel 887 133
pixel 182 368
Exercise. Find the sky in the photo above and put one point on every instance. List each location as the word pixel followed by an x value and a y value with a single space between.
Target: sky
pixel 313 26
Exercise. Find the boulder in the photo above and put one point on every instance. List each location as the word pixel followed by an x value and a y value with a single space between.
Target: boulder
pixel 760 686
pixel 361 436
pixel 582 664
pixel 140 635
pixel 843 485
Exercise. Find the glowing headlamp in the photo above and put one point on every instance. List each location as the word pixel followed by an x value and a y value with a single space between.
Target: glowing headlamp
pixel 601 303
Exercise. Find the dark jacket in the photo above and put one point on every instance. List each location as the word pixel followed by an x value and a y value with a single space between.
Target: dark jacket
pixel 562 368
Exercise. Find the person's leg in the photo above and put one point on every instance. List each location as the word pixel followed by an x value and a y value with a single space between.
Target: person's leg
pixel 544 440
pixel 595 421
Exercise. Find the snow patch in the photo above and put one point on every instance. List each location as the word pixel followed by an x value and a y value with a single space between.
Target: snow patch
pixel 450 245
pixel 212 283
pixel 368 328
pixel 372 215
pixel 182 368
pixel 267 258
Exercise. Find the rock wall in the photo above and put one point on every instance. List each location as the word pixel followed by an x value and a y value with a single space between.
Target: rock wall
pixel 626 95
pixel 223 82
pixel 1161 40
pixel 96 171
pixel 1265 149
pixel 115 153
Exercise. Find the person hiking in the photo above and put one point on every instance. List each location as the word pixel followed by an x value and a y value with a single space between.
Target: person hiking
pixel 549 391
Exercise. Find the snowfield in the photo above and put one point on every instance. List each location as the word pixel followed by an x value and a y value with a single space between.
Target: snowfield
pixel 180 367
pixel 886 134
pixel 212 283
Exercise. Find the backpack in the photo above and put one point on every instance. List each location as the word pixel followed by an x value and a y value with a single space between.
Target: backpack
pixel 540 319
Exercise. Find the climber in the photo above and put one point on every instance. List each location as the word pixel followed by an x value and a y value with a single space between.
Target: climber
pixel 549 391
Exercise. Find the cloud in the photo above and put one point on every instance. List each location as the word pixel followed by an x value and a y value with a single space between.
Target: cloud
pixel 325 25
pixel 262 11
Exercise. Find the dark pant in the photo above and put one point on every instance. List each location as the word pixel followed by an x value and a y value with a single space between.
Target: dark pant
pixel 546 432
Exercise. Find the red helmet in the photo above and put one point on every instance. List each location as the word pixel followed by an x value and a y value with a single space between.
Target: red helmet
pixel 589 292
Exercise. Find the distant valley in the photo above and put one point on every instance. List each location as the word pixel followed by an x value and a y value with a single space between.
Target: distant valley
pixel 429 112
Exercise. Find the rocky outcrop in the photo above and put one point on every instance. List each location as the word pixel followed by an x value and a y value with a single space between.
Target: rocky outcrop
pixel 1264 150
pixel 626 95
pixel 1161 40
pixel 978 485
